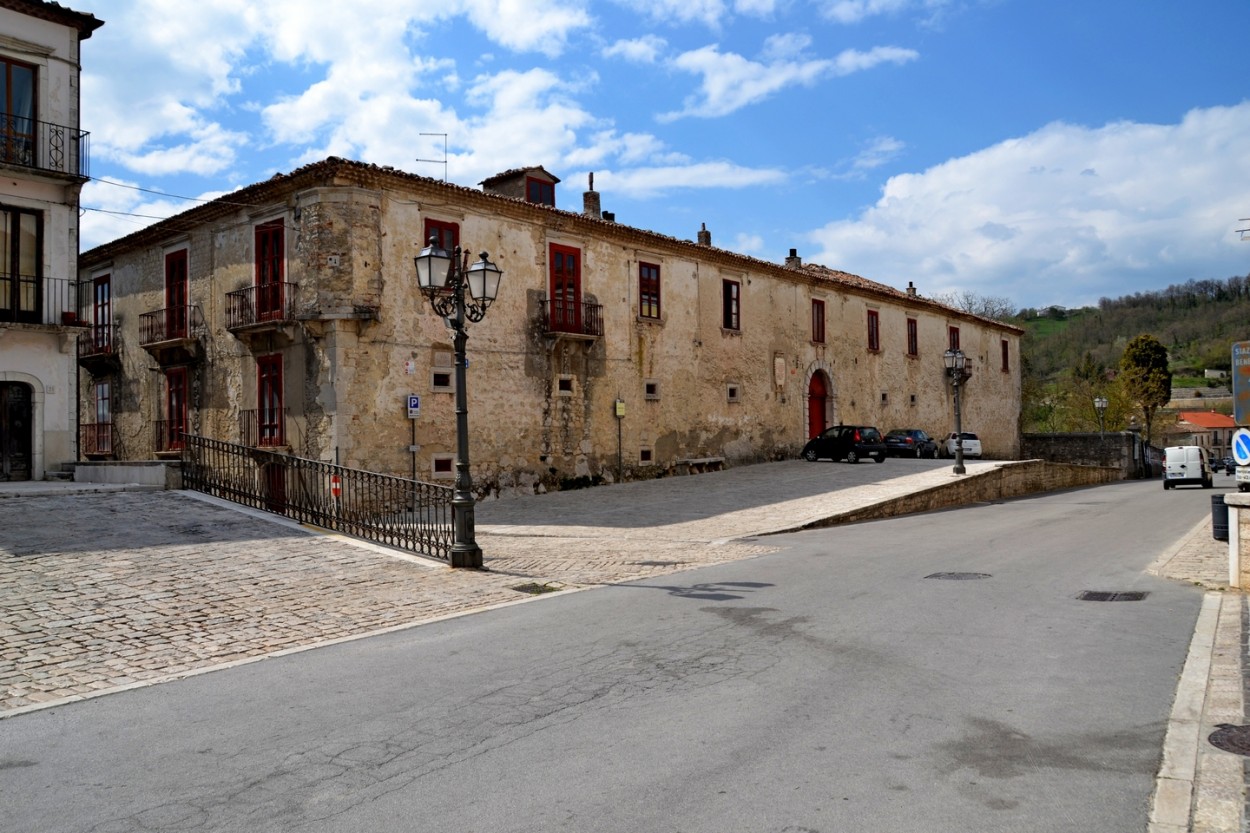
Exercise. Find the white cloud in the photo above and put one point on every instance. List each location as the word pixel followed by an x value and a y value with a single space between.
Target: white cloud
pixel 644 50
pixel 707 12
pixel 649 181
pixel 1065 214
pixel 731 82
pixel 855 11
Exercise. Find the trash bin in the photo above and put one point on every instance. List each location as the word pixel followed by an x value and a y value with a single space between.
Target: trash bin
pixel 1219 518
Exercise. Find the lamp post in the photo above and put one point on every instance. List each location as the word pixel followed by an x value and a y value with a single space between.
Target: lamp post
pixel 956 368
pixel 1100 405
pixel 443 278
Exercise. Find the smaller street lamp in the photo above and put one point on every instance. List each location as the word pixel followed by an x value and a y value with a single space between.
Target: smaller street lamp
pixel 1100 405
pixel 443 278
pixel 957 369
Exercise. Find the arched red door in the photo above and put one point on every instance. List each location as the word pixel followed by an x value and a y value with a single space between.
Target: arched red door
pixel 817 402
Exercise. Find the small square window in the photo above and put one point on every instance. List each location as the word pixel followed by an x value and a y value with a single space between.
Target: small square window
pixel 564 386
pixel 442 381
pixel 644 456
pixel 443 466
pixel 734 393
pixel 651 389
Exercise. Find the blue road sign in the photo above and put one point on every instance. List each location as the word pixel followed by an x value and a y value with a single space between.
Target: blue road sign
pixel 1241 447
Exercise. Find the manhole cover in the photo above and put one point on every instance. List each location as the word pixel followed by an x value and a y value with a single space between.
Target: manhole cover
pixel 1112 596
pixel 958 576
pixel 1230 738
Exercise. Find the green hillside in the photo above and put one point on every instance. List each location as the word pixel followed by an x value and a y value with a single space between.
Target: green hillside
pixel 1072 355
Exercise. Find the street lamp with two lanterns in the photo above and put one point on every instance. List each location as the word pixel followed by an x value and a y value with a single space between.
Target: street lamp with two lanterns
pixel 443 278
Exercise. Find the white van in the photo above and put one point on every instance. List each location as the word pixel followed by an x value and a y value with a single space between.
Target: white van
pixel 1186 464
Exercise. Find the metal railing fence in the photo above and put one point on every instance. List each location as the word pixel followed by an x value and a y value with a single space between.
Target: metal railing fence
pixel 44 145
pixel 580 318
pixel 401 513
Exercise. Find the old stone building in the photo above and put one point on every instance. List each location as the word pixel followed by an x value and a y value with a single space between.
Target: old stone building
pixel 286 314
pixel 43 162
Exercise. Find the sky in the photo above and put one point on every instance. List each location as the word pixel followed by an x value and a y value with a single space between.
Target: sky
pixel 1040 151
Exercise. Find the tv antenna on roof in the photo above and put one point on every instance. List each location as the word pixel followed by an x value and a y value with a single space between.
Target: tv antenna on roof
pixel 1245 229
pixel 443 161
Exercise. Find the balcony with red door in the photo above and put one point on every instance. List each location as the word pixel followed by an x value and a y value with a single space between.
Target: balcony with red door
pixel 256 314
pixel 173 335
pixel 265 428
pixel 97 440
pixel 576 320
pixel 99 351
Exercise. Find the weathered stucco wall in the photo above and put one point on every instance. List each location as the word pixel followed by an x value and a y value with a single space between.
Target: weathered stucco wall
pixel 541 406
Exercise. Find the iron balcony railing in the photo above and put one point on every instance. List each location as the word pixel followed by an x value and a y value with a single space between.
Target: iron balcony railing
pixel 271 303
pixel 44 146
pixel 169 436
pixel 30 299
pixel 169 324
pixel 100 340
pixel 263 428
pixel 96 439
pixel 572 318
pixel 401 513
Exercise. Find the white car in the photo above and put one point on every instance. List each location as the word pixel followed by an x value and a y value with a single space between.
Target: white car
pixel 971 443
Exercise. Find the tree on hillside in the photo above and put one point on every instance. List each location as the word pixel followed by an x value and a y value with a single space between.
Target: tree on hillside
pixel 1145 378
pixel 986 306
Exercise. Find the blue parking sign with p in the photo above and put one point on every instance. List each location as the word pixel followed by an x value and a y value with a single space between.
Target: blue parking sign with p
pixel 414 406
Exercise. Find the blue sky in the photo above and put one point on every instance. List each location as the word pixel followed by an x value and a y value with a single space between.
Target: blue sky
pixel 1043 151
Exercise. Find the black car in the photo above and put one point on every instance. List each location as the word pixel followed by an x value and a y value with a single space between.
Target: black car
pixel 846 442
pixel 910 442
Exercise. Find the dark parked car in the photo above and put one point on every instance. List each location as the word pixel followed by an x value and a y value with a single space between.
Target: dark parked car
pixel 910 442
pixel 846 442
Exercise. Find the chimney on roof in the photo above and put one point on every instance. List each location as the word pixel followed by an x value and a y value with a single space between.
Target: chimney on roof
pixel 705 236
pixel 590 200
pixel 911 290
pixel 609 216
pixel 794 260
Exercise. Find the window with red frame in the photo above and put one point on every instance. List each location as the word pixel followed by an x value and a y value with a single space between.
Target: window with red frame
pixel 270 269
pixel 731 305
pixel 874 330
pixel 176 295
pixel 175 407
pixel 913 337
pixel 1006 363
pixel 446 235
pixel 269 410
pixel 953 335
pixel 102 313
pixel 818 321
pixel 648 290
pixel 540 191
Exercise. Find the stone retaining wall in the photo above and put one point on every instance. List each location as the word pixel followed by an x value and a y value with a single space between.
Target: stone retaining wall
pixel 1006 480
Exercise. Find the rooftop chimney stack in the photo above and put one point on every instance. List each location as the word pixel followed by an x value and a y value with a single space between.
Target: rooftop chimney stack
pixel 705 236
pixel 911 290
pixel 794 260
pixel 591 207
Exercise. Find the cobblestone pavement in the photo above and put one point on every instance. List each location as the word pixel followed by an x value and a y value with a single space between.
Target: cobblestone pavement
pixel 114 588
pixel 103 589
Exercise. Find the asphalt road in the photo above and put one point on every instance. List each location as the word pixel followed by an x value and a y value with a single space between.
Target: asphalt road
pixel 831 686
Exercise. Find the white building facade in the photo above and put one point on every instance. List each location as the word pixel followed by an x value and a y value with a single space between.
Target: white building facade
pixel 43 165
